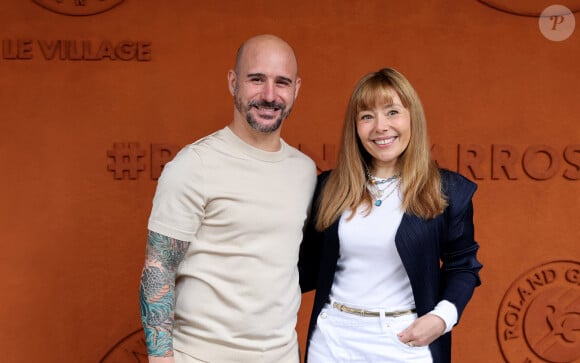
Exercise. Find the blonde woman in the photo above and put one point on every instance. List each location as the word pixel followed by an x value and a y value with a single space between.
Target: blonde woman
pixel 390 246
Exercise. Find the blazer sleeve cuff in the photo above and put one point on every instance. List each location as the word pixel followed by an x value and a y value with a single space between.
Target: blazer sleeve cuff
pixel 446 311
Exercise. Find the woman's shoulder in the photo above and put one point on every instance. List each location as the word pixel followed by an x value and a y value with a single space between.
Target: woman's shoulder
pixel 456 186
pixel 452 179
pixel 322 178
pixel 323 175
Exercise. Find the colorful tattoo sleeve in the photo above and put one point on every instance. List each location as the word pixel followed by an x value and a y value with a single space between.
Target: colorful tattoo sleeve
pixel 157 292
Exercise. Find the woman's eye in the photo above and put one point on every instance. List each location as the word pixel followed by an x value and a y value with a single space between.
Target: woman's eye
pixel 366 117
pixel 392 113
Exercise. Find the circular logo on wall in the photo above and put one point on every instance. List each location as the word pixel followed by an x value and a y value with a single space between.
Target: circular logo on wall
pixel 78 7
pixel 532 8
pixel 539 316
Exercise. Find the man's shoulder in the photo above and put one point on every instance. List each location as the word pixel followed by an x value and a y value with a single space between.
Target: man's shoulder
pixel 193 153
pixel 303 163
pixel 205 146
pixel 208 140
pixel 294 152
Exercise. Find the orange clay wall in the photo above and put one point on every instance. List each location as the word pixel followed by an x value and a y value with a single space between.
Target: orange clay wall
pixel 96 95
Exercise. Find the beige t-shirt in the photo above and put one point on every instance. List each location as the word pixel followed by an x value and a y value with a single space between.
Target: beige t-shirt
pixel 243 210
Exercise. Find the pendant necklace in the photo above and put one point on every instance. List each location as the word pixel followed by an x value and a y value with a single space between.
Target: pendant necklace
pixel 378 192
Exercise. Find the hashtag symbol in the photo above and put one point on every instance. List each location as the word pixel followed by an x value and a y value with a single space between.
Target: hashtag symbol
pixel 126 160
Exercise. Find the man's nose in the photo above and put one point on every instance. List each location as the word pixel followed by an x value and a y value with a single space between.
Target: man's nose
pixel 269 91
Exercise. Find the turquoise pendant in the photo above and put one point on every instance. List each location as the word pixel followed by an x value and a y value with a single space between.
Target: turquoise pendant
pixel 378 202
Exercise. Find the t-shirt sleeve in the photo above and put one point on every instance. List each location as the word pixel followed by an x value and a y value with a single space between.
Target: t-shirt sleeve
pixel 179 202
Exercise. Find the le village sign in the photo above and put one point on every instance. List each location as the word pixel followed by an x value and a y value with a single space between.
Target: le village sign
pixel 125 50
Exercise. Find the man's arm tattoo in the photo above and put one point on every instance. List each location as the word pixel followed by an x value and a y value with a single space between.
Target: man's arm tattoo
pixel 157 292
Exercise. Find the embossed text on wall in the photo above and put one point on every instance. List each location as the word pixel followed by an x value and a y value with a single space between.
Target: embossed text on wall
pixel 74 50
pixel 538 318
pixel 127 160
pixel 496 162
pixel 510 162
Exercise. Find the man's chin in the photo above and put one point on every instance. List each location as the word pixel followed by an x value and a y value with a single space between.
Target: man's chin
pixel 264 125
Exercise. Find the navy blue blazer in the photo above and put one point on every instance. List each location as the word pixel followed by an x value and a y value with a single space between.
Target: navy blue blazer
pixel 439 256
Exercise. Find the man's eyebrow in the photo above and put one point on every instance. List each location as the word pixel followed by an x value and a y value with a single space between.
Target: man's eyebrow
pixel 285 79
pixel 250 75
pixel 279 78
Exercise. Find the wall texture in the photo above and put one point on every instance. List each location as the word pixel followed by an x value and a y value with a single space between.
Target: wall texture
pixel 97 94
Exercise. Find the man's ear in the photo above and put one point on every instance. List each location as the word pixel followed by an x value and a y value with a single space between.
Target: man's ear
pixel 232 79
pixel 298 83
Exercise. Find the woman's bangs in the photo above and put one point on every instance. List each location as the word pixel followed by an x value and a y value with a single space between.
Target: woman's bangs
pixel 373 93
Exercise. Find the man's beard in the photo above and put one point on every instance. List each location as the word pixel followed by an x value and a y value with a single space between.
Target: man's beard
pixel 267 129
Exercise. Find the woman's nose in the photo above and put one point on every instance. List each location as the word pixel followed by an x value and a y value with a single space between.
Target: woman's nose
pixel 383 123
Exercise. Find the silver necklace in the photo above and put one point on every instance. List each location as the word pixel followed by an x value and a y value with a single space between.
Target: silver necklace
pixel 377 192
pixel 375 180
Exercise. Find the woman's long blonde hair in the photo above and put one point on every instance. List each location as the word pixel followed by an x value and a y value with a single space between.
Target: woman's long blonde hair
pixel 346 189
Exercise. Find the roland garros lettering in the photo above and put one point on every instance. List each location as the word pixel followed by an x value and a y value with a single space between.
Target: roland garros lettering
pixel 524 292
pixel 510 162
pixel 512 318
pixel 87 50
pixel 503 163
pixel 537 320
pixel 573 276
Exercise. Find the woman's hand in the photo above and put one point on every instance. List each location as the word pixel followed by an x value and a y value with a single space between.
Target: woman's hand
pixel 423 331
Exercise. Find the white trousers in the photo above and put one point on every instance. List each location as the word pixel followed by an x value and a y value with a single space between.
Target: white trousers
pixel 341 337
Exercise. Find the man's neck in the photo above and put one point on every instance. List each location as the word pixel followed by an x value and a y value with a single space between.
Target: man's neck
pixel 259 140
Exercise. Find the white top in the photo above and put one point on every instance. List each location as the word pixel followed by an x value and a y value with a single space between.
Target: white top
pixel 243 210
pixel 370 273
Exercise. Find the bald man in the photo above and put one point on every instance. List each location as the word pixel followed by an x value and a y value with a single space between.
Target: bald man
pixel 220 282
